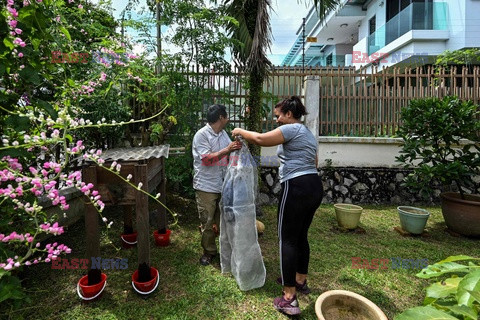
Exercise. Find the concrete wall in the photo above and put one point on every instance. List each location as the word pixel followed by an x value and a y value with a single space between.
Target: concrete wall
pixel 358 152
pixel 472 24
pixel 456 23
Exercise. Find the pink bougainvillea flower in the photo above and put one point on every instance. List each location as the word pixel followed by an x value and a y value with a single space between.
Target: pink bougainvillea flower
pixel 80 6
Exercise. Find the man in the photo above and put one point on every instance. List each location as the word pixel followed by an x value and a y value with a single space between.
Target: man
pixel 211 146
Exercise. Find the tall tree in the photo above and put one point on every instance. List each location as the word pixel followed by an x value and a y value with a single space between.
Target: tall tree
pixel 254 35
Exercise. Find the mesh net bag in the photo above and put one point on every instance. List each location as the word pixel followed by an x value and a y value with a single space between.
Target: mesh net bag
pixel 240 252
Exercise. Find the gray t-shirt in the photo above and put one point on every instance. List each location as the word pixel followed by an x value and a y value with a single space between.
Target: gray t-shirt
pixel 208 178
pixel 297 154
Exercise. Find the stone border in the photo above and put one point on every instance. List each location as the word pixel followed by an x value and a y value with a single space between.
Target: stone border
pixel 358 185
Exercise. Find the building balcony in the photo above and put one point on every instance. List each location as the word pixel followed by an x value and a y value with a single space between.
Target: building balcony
pixel 417 16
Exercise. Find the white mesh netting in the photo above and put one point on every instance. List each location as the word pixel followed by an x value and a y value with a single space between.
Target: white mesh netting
pixel 240 252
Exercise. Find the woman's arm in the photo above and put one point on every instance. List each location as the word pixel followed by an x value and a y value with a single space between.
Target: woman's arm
pixel 267 139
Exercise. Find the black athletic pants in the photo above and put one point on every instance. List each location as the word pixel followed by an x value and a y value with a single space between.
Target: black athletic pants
pixel 300 198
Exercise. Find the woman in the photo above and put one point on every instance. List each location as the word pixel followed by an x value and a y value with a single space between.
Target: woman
pixel 301 196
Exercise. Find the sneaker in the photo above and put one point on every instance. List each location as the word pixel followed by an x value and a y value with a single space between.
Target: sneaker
pixel 206 259
pixel 302 288
pixel 289 307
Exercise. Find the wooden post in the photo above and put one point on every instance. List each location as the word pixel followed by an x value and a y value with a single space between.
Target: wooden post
pixel 143 225
pixel 91 227
pixel 162 214
pixel 128 219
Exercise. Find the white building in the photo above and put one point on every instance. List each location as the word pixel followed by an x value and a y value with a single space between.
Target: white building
pixel 364 33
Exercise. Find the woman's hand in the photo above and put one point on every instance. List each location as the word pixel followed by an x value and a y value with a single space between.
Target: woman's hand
pixel 237 132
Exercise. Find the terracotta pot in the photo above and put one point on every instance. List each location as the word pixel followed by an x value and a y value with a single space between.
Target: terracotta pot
pixel 346 305
pixel 462 216
pixel 90 292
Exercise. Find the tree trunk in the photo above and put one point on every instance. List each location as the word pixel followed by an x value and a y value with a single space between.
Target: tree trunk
pixel 253 122
pixel 254 117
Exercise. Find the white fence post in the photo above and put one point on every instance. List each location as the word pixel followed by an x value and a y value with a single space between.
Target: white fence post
pixel 312 104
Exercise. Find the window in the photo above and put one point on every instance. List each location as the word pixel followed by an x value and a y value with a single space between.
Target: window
pixel 395 6
pixel 405 15
pixel 329 60
pixel 372 25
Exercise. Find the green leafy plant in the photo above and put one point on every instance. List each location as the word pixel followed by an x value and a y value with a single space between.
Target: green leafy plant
pixel 441 142
pixel 460 57
pixel 455 297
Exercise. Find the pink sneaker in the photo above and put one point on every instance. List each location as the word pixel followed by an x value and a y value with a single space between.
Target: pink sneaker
pixel 289 307
pixel 302 288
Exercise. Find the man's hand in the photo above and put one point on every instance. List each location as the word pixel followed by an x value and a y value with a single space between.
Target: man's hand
pixel 213 158
pixel 235 145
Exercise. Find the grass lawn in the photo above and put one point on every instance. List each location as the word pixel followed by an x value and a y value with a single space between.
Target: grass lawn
pixel 190 291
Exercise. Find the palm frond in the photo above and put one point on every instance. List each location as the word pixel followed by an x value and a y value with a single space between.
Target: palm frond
pixel 262 38
pixel 323 7
pixel 253 32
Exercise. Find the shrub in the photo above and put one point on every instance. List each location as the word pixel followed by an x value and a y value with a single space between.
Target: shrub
pixel 441 142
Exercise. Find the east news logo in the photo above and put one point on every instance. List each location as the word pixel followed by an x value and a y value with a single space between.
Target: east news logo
pixel 97 263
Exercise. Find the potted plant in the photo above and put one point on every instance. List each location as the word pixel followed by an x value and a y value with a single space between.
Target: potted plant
pixel 441 143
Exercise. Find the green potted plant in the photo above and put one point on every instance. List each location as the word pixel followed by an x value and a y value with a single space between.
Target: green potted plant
pixel 441 143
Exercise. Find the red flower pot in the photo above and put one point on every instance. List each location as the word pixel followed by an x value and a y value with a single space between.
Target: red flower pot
pixel 129 240
pixel 162 240
pixel 91 292
pixel 148 286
